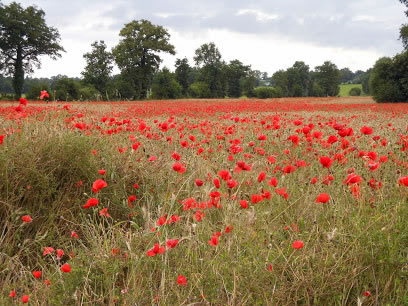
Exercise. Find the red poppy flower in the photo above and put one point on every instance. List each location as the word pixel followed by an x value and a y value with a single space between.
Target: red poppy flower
pixel 25 299
pixel 243 203
pixel 74 235
pixel 48 250
pixel 131 199
pixel 214 240
pixel 98 185
pixel 104 212
pixel 12 294
pixel 404 181
pixel 156 250
pixel 198 182
pixel 366 130
pixel 44 94
pixel 23 101
pixel 37 274
pixel 2 138
pixel 323 198
pixel 102 172
pixel 298 244
pixel 261 176
pixel 91 202
pixel 178 167
pixel 26 219
pixel 60 253
pixel 181 280
pixel 326 161
pixel 216 183
pixel 66 268
pixel 171 243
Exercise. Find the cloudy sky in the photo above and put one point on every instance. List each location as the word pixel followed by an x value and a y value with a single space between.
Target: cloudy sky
pixel 267 34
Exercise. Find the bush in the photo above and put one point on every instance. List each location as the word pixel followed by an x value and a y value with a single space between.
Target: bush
pixel 89 93
pixel 199 90
pixel 355 91
pixel 66 89
pixel 165 86
pixel 317 91
pixel 267 92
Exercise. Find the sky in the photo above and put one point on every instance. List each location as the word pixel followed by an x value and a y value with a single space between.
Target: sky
pixel 267 34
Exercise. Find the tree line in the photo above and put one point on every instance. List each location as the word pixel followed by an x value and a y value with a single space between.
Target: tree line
pixel 24 36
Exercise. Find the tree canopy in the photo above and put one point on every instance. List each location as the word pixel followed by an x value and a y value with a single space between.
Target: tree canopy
pixel 24 37
pixel 99 65
pixel 137 54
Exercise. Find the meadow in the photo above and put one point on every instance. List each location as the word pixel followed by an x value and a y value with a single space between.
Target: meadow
pixel 204 202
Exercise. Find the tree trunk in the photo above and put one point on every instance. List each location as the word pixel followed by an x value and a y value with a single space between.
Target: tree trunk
pixel 18 78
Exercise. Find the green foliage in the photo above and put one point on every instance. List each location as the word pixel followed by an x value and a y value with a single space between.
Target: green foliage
pixel 346 75
pixel 317 91
pixel 355 92
pixel 234 72
pixel 35 90
pixel 88 93
pixel 328 78
pixel 165 86
pixel 388 80
pixel 137 53
pixel 24 37
pixel 99 65
pixel 66 89
pixel 280 79
pixel 264 92
pixel 123 89
pixel 182 73
pixel 212 71
pixel 199 90
pixel 298 77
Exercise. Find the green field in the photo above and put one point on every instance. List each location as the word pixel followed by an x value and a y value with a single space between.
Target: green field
pixel 345 89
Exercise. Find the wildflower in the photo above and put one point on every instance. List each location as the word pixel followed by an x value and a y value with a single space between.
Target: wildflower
pixel 25 299
pixel 171 243
pixel 298 244
pixel 323 198
pixel 214 240
pixel 91 202
pixel 181 280
pixel 98 185
pixel 37 274
pixel 26 219
pixel 156 250
pixel 66 268
pixel 48 250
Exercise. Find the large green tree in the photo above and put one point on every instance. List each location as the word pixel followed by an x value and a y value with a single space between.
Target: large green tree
pixel 137 54
pixel 24 37
pixel 182 72
pixel 99 65
pixel 404 27
pixel 327 77
pixel 212 72
pixel 235 72
pixel 298 79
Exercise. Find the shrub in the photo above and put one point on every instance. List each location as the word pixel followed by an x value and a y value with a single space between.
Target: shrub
pixel 267 92
pixel 165 86
pixel 199 90
pixel 66 89
pixel 355 91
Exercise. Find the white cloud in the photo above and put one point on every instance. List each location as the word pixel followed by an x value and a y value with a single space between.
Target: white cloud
pixel 259 15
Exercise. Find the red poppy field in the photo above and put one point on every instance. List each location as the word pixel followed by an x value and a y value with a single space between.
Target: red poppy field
pixel 198 202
